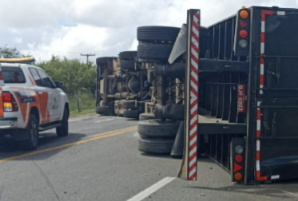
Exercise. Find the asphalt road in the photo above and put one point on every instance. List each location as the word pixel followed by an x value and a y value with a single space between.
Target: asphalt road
pixel 99 160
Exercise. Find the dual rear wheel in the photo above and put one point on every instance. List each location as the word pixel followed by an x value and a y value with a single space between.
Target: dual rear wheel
pixel 157 137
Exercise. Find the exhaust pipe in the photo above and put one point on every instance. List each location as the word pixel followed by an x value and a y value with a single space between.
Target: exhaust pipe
pixel 176 70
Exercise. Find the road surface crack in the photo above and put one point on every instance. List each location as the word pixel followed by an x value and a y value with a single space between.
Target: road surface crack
pixel 47 180
pixel 1 190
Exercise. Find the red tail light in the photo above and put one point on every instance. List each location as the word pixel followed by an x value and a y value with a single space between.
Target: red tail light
pixel 9 102
pixel 243 34
pixel 239 158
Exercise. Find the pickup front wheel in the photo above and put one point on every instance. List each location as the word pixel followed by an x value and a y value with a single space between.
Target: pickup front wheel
pixel 63 129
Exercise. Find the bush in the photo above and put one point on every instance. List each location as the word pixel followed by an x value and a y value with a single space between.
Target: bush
pixel 78 78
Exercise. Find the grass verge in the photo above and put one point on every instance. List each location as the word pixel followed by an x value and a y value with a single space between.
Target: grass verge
pixel 87 105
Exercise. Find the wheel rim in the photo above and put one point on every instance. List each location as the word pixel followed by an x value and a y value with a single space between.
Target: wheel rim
pixel 34 133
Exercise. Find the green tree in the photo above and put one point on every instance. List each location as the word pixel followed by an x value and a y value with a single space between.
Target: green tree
pixel 28 55
pixel 8 52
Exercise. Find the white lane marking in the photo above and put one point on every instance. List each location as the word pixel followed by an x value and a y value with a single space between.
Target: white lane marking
pixel 148 191
pixel 294 194
pixel 103 120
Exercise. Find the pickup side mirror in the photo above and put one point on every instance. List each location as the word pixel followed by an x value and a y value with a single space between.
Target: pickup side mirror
pixel 59 84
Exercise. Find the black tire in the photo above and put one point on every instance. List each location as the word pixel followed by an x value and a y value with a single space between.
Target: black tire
pixel 127 64
pixel 157 33
pixel 156 146
pixel 128 104
pixel 62 130
pixel 155 128
pixel 102 110
pixel 127 55
pixel 111 108
pixel 146 116
pixel 103 60
pixel 148 51
pixel 32 134
pixel 134 114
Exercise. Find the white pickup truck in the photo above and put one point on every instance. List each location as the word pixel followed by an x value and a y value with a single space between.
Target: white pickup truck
pixel 30 102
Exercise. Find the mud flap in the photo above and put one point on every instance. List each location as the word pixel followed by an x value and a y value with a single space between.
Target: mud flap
pixel 177 149
pixel 179 46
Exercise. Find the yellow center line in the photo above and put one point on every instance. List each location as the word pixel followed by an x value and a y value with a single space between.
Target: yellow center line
pixel 111 132
pixel 93 138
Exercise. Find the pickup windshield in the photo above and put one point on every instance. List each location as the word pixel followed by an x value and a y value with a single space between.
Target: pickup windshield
pixel 13 75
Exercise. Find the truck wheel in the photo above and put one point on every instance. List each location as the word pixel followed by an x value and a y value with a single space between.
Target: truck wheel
pixel 111 108
pixel 156 146
pixel 157 33
pixel 127 55
pixel 128 104
pixel 103 60
pixel 146 116
pixel 102 110
pixel 149 51
pixel 127 64
pixel 155 128
pixel 32 133
pixel 134 114
pixel 63 129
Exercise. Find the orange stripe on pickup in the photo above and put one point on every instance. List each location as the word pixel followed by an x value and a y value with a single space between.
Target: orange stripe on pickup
pixel 32 80
pixel 43 104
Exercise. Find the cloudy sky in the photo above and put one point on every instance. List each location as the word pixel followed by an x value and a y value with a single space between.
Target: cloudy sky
pixel 104 27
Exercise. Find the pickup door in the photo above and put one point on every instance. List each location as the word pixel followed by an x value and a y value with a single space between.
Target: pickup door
pixel 49 95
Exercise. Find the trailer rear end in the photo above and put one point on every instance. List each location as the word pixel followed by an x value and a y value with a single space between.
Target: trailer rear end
pixel 247 95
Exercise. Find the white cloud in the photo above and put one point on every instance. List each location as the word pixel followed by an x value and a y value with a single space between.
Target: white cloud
pixel 18 39
pixel 68 27
pixel 72 42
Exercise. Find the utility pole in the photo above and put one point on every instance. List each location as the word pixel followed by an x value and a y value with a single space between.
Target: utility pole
pixel 87 56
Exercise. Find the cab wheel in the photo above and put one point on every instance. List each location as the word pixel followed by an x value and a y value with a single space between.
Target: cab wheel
pixel 32 134
pixel 63 129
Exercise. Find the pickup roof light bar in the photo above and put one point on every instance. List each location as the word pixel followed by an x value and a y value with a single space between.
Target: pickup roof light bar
pixel 17 60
